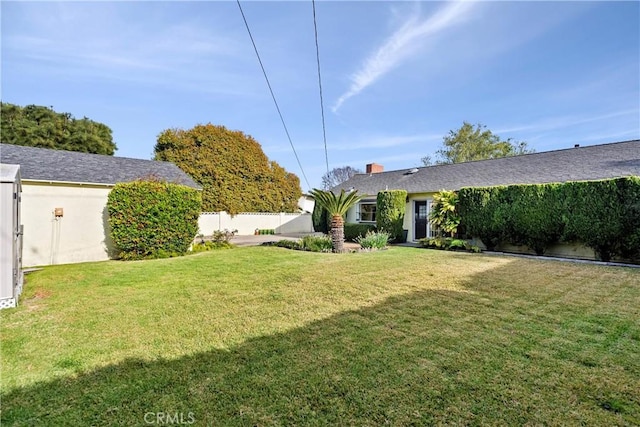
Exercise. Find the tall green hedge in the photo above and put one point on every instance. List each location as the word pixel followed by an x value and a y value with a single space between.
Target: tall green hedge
pixel 153 219
pixel 320 219
pixel 604 215
pixel 390 210
pixel 481 214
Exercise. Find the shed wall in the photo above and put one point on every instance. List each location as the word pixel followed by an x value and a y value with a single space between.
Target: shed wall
pixel 80 235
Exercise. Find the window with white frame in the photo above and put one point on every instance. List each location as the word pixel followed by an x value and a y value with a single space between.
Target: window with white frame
pixel 366 212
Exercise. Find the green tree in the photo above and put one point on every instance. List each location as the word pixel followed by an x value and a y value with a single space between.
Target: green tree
pixel 475 143
pixel 337 207
pixel 235 174
pixel 38 126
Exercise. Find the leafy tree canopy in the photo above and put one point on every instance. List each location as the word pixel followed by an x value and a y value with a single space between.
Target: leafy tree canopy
pixel 38 126
pixel 475 143
pixel 235 174
pixel 337 176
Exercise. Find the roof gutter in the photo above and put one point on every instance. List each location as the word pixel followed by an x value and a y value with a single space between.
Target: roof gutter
pixel 69 183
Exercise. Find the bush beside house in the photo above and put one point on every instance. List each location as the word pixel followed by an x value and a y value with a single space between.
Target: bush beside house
pixel 352 231
pixel 153 219
pixel 390 210
pixel 603 215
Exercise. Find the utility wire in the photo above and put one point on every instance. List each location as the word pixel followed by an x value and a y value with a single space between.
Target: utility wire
pixel 272 95
pixel 324 129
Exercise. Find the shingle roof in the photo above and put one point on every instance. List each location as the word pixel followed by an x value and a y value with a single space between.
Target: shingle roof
pixel 70 166
pixel 573 164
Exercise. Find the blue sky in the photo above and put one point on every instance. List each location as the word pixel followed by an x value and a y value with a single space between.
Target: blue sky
pixel 396 76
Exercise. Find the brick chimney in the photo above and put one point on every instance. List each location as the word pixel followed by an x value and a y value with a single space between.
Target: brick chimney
pixel 374 168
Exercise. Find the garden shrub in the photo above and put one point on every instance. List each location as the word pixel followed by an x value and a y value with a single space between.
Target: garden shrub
pixel 352 230
pixel 535 216
pixel 153 219
pixel 448 244
pixel 285 243
pixel 444 216
pixel 390 210
pixel 629 190
pixel 374 240
pixel 593 215
pixel 320 219
pixel 210 245
pixel 316 243
pixel 220 239
pixel 482 213
pixel 604 215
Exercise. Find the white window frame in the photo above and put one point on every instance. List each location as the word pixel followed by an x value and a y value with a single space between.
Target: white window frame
pixel 373 213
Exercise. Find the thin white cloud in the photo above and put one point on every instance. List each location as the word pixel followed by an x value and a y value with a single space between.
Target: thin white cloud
pixel 402 44
pixel 366 142
pixel 554 123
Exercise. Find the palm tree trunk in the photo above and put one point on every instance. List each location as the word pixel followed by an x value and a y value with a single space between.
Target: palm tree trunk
pixel 337 233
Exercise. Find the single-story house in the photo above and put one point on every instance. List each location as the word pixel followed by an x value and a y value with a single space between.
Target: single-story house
pixel 64 198
pixel 587 163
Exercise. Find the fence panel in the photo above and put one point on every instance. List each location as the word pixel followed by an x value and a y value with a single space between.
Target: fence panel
pixel 246 223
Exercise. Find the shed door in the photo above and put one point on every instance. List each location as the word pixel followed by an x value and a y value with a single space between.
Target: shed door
pixel 17 243
pixel 420 219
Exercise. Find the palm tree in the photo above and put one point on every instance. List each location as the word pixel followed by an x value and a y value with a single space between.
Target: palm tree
pixel 336 206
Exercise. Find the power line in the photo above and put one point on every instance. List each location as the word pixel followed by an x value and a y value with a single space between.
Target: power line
pixel 324 129
pixel 272 94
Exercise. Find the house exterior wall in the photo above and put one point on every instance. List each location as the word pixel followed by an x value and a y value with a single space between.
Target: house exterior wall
pixel 79 235
pixel 408 224
pixel 409 217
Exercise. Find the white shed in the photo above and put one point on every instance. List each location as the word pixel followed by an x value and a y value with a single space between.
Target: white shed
pixel 10 236
pixel 64 200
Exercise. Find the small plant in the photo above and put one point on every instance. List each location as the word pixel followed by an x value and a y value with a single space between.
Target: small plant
pixel 223 236
pixel 448 244
pixel 373 240
pixel 354 230
pixel 210 245
pixel 261 232
pixel 316 243
pixel 289 244
pixel 443 214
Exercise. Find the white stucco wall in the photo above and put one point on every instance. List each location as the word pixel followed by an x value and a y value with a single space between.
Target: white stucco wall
pixel 78 236
pixel 246 223
pixel 82 233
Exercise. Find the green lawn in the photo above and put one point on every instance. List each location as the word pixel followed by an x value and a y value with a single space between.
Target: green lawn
pixel 268 336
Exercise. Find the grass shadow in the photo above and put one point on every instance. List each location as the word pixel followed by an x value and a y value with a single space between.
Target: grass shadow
pixel 477 356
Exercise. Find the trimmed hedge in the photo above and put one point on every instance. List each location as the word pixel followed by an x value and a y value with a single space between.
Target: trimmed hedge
pixel 390 209
pixel 320 219
pixel 352 230
pixel 604 215
pixel 153 219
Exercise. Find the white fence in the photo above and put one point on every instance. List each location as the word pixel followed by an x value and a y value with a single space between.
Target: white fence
pixel 247 223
